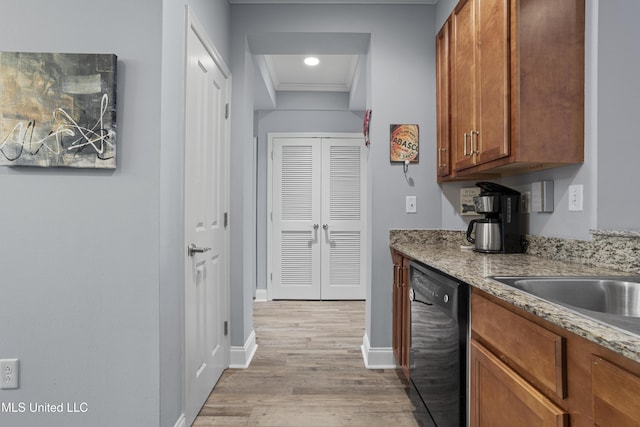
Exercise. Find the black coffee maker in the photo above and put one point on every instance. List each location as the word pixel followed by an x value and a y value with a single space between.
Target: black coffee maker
pixel 500 230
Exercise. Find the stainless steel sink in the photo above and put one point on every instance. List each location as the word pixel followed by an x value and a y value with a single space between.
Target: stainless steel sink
pixel 613 299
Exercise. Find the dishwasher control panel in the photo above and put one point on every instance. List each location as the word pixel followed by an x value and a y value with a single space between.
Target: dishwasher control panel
pixel 433 288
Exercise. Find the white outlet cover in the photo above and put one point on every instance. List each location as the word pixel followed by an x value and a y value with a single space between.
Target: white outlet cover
pixel 8 373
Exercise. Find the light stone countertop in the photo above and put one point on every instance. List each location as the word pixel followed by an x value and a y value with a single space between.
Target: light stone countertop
pixel 474 268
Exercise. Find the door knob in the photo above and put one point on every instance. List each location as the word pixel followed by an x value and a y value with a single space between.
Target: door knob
pixel 325 226
pixel 315 226
pixel 193 249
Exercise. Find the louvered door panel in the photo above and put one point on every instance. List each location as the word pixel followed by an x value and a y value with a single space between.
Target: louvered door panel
pixel 342 213
pixel 296 209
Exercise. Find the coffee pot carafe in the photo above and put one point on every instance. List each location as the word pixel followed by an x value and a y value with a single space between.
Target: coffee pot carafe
pixel 500 230
pixel 487 236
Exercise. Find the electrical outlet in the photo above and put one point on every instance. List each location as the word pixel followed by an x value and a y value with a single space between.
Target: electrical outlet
pixel 411 204
pixel 8 373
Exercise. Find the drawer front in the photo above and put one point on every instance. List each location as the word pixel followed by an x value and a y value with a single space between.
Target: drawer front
pixel 536 353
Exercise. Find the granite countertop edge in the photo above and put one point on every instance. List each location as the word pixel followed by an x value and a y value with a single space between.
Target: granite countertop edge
pixel 475 268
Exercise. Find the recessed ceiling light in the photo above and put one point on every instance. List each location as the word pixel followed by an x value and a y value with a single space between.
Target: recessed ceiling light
pixel 311 61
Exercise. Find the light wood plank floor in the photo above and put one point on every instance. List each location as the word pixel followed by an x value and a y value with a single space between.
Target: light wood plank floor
pixel 308 371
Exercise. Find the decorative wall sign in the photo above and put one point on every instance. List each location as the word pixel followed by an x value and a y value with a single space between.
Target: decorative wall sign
pixel 58 110
pixel 467 205
pixel 404 145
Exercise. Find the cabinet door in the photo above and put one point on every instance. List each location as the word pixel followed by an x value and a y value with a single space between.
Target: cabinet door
pixel 491 139
pixel 615 395
pixel 397 306
pixel 499 397
pixel 463 83
pixel 405 343
pixel 443 94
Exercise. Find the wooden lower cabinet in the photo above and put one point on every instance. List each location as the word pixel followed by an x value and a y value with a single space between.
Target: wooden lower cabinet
pixel 500 397
pixel 401 328
pixel 616 395
pixel 526 371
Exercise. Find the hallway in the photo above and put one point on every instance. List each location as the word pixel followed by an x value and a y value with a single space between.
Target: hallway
pixel 308 371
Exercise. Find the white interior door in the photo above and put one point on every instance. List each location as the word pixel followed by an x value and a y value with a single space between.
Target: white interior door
pixel 296 218
pixel 342 243
pixel 206 254
pixel 318 201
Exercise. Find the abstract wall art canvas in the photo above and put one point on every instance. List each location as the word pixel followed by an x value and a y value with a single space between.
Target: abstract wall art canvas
pixel 58 110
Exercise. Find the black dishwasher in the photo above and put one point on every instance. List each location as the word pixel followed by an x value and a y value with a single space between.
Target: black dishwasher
pixel 439 336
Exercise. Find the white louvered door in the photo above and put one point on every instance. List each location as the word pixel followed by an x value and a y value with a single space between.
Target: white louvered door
pixel 342 248
pixel 317 226
pixel 296 219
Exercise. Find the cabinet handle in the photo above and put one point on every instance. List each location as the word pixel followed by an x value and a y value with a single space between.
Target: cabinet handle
pixel 465 144
pixel 474 142
pixel 442 165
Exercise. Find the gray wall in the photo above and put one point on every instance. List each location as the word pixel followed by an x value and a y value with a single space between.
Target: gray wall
pixel 612 64
pixel 402 82
pixel 92 260
pixel 214 16
pixel 618 114
pixel 79 253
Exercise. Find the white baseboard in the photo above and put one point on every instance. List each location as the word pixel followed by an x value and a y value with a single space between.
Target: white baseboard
pixel 261 295
pixel 182 421
pixel 377 357
pixel 240 357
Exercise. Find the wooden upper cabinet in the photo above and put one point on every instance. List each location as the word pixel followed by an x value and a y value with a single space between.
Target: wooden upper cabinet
pixel 516 97
pixel 443 94
pixel 480 82
pixel 491 140
pixel 547 103
pixel 463 83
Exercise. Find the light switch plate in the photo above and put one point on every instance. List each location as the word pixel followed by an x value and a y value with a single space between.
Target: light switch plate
pixel 575 198
pixel 411 204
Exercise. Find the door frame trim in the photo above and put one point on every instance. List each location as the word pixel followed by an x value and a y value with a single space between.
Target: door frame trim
pixel 319 135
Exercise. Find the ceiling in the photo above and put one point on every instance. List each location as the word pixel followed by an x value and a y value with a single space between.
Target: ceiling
pixel 334 73
pixel 282 64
